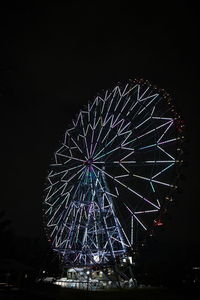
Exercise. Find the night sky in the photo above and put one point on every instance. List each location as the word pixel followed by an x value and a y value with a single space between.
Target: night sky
pixel 56 57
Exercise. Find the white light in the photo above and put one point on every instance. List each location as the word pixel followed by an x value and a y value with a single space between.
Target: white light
pixel 130 259
pixel 96 258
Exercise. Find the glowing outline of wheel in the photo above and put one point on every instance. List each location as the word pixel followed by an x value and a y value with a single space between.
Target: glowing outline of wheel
pixel 129 133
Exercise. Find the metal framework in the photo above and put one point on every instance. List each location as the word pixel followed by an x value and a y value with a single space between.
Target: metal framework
pixel 94 231
pixel 113 176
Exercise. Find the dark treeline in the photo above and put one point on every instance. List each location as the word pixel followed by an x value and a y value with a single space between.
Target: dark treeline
pixel 24 258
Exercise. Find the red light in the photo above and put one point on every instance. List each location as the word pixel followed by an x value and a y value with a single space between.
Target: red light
pixel 158 223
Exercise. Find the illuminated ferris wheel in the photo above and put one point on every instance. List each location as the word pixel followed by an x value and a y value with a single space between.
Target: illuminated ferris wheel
pixel 113 176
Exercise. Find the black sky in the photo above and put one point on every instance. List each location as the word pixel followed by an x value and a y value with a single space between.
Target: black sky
pixel 56 57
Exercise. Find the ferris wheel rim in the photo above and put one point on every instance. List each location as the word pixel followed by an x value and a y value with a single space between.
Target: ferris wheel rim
pixel 88 159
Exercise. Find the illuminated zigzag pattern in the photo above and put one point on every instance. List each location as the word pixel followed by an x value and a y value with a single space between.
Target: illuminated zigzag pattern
pixel 110 177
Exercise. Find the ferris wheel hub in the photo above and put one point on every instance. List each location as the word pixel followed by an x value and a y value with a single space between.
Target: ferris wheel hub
pixel 88 162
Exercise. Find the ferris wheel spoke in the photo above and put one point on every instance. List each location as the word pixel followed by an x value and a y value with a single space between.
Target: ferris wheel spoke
pixel 70 148
pixel 119 241
pixel 125 104
pixel 160 148
pixel 110 104
pixel 72 177
pixel 159 161
pixel 152 180
pixel 135 163
pixel 138 220
pixel 169 141
pixel 84 134
pixel 86 146
pixel 78 186
pixel 91 144
pixel 123 158
pixel 111 141
pixel 96 157
pixel 64 173
pixel 162 118
pixel 162 171
pixel 151 115
pixel 118 134
pixel 53 174
pixel 116 121
pixel 74 158
pixel 105 154
pixel 103 149
pixel 50 195
pixel 139 97
pixel 143 120
pixel 126 187
pixel 142 123
pixel 97 140
pixel 158 144
pixel 138 104
pixel 121 97
pixel 168 127
pixel 63 186
pixel 145 211
pixel 149 103
pixel 121 165
pixel 147 133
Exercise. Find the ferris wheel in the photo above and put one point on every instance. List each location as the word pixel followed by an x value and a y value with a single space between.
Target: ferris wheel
pixel 113 176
